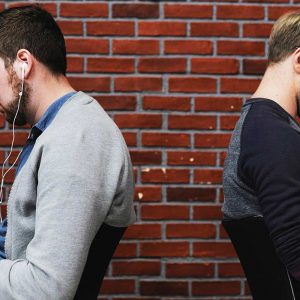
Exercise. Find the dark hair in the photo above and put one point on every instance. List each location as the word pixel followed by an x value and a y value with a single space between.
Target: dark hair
pixel 32 28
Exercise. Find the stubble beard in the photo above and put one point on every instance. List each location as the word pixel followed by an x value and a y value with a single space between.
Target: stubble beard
pixel 12 107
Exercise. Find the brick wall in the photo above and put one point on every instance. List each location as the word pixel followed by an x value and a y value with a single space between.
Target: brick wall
pixel 173 75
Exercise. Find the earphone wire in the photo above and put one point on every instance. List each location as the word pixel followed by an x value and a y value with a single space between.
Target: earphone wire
pixel 11 149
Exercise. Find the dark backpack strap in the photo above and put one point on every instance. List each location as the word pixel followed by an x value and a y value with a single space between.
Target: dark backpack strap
pixel 266 275
pixel 100 254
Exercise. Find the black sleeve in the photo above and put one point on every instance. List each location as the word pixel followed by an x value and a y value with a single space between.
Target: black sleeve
pixel 270 161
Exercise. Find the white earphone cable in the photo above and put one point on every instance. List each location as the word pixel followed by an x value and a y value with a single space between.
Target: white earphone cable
pixel 11 148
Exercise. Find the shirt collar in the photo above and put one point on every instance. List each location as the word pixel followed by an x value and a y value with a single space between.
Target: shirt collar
pixel 51 111
pixel 49 115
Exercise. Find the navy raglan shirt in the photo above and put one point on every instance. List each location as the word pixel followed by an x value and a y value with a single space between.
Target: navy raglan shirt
pixel 36 131
pixel 269 163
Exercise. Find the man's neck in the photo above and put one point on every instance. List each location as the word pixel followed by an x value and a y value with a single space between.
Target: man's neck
pixel 47 93
pixel 278 86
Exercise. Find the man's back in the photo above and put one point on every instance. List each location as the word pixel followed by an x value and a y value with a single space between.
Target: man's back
pixel 262 174
pixel 78 176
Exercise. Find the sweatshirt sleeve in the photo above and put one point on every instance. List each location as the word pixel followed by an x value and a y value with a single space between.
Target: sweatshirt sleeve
pixel 77 181
pixel 270 163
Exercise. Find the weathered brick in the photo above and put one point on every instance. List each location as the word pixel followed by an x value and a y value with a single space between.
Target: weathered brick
pixel 227 29
pixel 135 10
pixel 188 11
pixel 159 28
pixel 88 10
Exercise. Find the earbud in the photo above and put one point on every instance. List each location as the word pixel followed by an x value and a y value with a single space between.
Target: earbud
pixel 24 65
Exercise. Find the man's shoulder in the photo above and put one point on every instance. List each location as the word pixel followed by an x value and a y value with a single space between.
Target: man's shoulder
pixel 82 115
pixel 266 121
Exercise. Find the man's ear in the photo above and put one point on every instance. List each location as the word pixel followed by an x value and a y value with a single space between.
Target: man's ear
pixel 24 57
pixel 296 61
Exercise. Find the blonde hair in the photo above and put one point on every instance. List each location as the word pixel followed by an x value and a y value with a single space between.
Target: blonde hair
pixel 284 37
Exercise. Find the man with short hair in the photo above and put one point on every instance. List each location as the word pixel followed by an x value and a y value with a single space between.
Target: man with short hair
pixel 75 174
pixel 262 169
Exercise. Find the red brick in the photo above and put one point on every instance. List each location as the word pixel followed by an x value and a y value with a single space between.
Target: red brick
pixel 132 10
pixel 187 47
pixel 164 288
pixel 2 121
pixel 88 10
pixel 110 28
pixel 254 66
pixel 130 138
pixel 192 84
pixel 207 212
pixel 208 176
pixel 136 47
pixel 218 104
pixel 228 122
pixel 215 29
pixel 182 230
pixel 186 270
pixel 125 250
pixel 241 48
pixel 212 140
pixel 116 102
pixel 136 298
pixel 274 12
pixel 71 27
pixel 85 45
pixel 250 30
pixel 138 84
pixel 231 270
pixel 165 139
pixel 50 7
pixel 191 122
pixel 164 212
pixel 215 66
pixel 254 12
pixel 166 103
pixel 213 249
pixel 139 157
pixel 138 267
pixel 164 249
pixel 75 64
pixel 205 288
pixel 222 158
pixel 12 157
pixel 117 286
pixel 3 208
pixel 188 11
pixel 90 84
pixel 193 158
pixel 138 120
pixel 143 231
pixel 148 193
pixel 191 194
pixel 162 65
pixel 10 176
pixel 239 85
pixel 269 1
pixel 110 65
pixel 163 175
pixel 162 28
pixel 217 1
pixel 6 138
pixel 223 233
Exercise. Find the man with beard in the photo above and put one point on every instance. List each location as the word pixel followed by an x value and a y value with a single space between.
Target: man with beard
pixel 262 169
pixel 74 179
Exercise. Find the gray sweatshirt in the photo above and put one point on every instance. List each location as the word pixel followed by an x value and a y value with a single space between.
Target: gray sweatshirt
pixel 78 175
